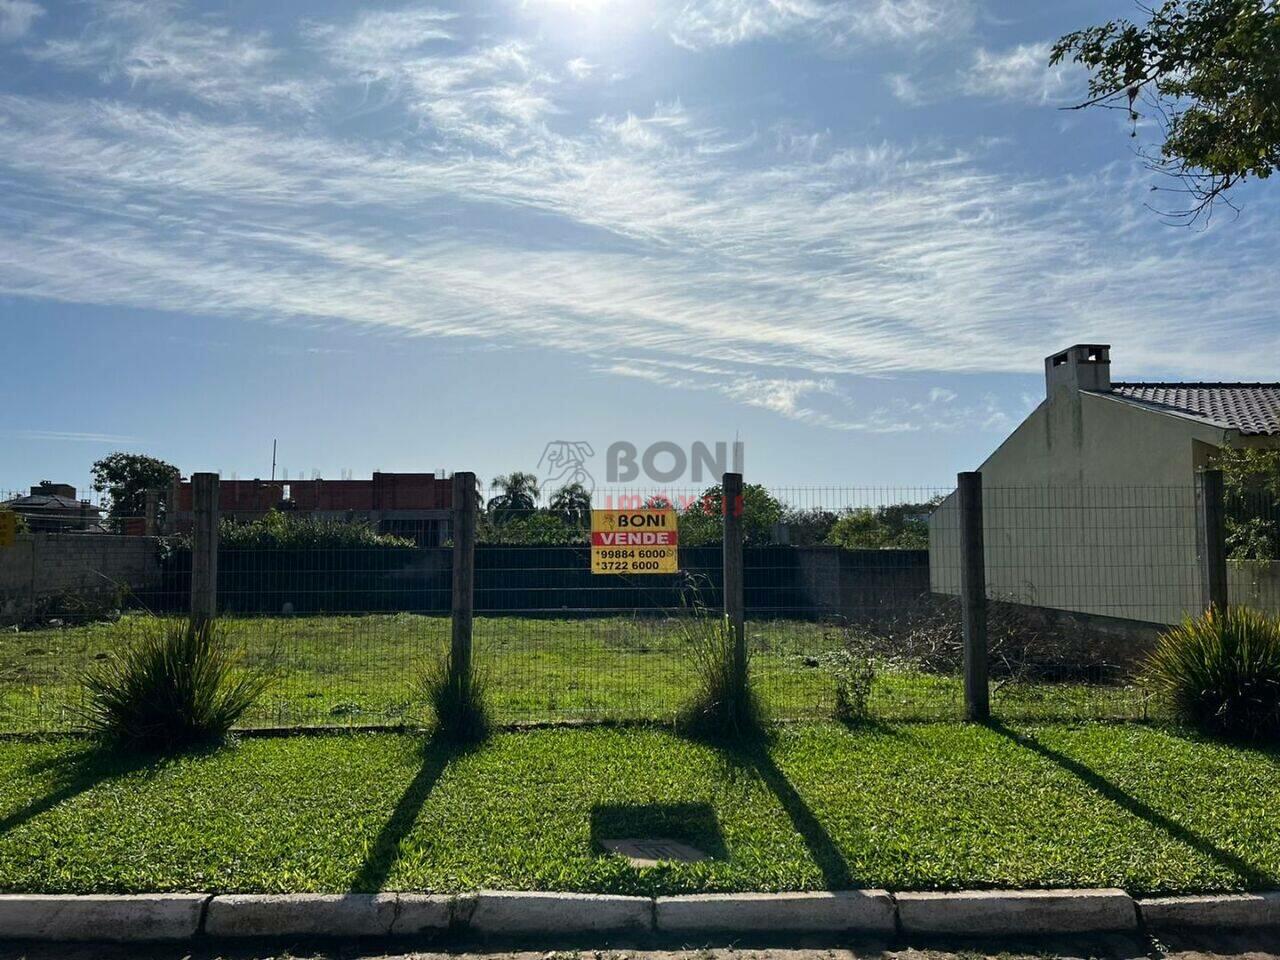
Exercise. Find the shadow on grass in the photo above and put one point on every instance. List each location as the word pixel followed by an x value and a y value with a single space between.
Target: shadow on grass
pixel 437 754
pixel 77 773
pixel 822 848
pixel 1246 871
pixel 873 726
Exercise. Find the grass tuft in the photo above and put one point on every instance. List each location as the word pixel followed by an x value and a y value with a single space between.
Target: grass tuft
pixel 175 685
pixel 724 707
pixel 459 699
pixel 1221 672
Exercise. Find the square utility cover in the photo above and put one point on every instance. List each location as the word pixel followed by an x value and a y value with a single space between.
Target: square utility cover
pixel 652 851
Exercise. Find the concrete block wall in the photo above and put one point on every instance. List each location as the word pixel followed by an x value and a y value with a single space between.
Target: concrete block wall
pixel 73 566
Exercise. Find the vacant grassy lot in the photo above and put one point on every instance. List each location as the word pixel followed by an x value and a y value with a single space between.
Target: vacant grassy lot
pixel 906 806
pixel 341 670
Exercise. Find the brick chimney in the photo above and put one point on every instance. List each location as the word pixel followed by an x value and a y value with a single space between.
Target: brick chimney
pixel 1086 366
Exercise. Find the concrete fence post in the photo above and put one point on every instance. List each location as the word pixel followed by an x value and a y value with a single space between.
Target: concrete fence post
pixel 973 597
pixel 464 570
pixel 204 547
pixel 1211 532
pixel 734 603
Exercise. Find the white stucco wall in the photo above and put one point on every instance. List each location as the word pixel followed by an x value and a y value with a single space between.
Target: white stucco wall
pixel 1089 506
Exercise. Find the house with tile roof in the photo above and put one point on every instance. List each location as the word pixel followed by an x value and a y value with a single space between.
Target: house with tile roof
pixel 1089 504
pixel 53 508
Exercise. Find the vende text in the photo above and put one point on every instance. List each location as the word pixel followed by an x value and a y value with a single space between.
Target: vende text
pixel 645 538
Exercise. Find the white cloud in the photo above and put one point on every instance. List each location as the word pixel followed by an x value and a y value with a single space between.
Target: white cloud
pixel 1021 73
pixel 819 402
pixel 16 18
pixel 779 395
pixel 655 232
pixel 860 261
pixel 374 43
pixel 832 23
pixel 783 396
pixel 905 89
pixel 490 95
pixel 150 45
pixel 72 437
pixel 580 68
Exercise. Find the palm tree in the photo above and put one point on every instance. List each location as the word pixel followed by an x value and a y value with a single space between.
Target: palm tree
pixel 520 492
pixel 572 504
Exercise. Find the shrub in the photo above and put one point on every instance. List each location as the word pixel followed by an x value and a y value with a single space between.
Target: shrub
pixel 459 700
pixel 175 685
pixel 898 526
pixel 1221 672
pixel 724 706
pixel 854 670
pixel 278 530
pixel 19 521
pixel 532 529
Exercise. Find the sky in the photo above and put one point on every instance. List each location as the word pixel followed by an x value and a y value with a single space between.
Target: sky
pixel 405 236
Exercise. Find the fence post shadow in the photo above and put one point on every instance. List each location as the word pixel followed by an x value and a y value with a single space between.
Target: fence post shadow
pixel 79 773
pixel 1252 875
pixel 822 848
pixel 437 754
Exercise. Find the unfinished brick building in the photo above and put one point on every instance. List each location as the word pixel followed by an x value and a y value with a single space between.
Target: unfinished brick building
pixel 413 505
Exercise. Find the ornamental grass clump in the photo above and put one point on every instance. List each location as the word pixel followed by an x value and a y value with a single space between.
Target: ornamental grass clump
pixel 1220 672
pixel 724 706
pixel 176 684
pixel 459 699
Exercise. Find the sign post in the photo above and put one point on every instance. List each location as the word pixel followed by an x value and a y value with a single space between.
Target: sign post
pixel 635 541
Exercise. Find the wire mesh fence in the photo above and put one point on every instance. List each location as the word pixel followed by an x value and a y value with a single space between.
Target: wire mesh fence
pixel 851 598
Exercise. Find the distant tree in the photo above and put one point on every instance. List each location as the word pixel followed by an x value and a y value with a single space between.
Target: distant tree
pixel 126 477
pixel 572 504
pixel 20 522
pixel 539 528
pixel 702 522
pixel 898 526
pixel 518 495
pixel 1208 73
pixel 808 527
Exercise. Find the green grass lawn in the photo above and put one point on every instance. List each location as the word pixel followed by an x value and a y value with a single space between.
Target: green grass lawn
pixel 342 670
pixel 922 805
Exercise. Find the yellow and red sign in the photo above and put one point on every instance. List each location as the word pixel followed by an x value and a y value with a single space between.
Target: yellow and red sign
pixel 634 541
pixel 8 528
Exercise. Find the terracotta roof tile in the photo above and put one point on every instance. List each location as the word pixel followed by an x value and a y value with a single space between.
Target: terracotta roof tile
pixel 1250 408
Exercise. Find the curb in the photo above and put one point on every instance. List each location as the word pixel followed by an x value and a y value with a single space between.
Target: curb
pixel 136 918
pixel 322 914
pixel 1008 913
pixel 498 914
pixel 1248 910
pixel 506 914
pixel 864 911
